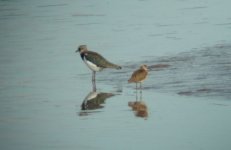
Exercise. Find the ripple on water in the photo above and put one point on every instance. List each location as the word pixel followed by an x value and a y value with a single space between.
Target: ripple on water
pixel 205 72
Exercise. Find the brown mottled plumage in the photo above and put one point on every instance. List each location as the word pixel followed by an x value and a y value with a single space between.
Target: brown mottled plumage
pixel 139 75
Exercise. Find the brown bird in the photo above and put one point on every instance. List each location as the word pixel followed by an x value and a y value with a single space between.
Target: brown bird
pixel 139 75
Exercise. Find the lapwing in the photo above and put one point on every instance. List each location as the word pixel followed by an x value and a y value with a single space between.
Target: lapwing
pixel 94 61
pixel 139 75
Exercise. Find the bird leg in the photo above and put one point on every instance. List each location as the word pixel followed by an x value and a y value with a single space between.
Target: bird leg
pixel 136 93
pixel 93 81
pixel 140 91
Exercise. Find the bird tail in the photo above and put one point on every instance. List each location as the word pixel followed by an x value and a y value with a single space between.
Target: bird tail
pixel 118 67
pixel 115 66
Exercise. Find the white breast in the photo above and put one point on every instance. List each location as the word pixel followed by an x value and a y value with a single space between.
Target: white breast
pixel 92 66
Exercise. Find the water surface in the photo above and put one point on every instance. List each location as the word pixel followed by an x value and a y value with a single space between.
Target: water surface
pixel 185 103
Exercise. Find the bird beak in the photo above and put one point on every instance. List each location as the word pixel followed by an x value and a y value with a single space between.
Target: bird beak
pixel 77 51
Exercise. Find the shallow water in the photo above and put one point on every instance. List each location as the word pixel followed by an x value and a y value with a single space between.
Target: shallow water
pixel 203 73
pixel 185 103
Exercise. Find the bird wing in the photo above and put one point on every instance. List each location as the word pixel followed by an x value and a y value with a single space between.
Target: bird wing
pixel 97 59
pixel 138 75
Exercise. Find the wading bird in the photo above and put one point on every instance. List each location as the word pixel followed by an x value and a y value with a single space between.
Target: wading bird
pixel 94 61
pixel 139 75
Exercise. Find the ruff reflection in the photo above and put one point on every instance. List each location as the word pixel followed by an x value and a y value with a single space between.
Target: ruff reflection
pixel 93 102
pixel 139 107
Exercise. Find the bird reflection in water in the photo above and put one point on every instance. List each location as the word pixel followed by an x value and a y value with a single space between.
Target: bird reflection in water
pixel 139 107
pixel 93 101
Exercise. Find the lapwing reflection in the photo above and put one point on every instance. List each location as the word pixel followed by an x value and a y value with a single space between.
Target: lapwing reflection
pixel 138 106
pixel 93 102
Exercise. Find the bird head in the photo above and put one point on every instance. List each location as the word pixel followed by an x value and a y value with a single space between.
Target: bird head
pixel 81 48
pixel 145 67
